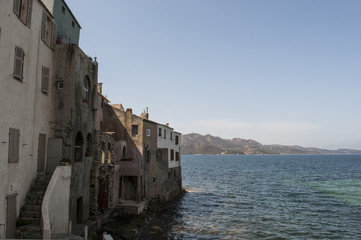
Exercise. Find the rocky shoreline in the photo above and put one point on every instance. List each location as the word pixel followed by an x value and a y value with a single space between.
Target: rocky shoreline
pixel 149 225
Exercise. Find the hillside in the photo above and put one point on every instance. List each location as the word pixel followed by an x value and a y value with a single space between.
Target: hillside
pixel 198 144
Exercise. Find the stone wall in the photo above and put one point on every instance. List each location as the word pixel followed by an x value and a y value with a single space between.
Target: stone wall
pixel 102 173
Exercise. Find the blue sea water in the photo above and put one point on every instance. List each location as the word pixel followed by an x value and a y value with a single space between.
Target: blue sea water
pixel 268 197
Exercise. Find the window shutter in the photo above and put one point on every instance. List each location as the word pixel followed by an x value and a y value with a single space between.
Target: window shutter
pixel 43 26
pixel 53 35
pixel 24 10
pixel 19 63
pixel 17 7
pixel 14 137
pixel 29 13
pixel 45 80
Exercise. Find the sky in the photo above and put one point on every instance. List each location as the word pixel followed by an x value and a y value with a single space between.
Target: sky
pixel 275 71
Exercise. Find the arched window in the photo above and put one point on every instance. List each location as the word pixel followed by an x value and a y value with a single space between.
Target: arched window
pixel 103 154
pixel 86 90
pixel 109 153
pixel 89 146
pixel 78 151
pixel 124 154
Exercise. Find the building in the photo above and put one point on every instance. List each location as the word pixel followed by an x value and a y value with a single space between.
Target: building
pixel 26 97
pixel 67 27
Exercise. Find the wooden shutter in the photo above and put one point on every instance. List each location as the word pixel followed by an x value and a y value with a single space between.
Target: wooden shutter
pixel 17 5
pixel 19 63
pixel 45 80
pixel 43 27
pixel 53 35
pixel 29 12
pixel 24 10
pixel 14 137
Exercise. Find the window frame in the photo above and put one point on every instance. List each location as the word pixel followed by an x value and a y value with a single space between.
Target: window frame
pixel 45 78
pixel 19 63
pixel 14 145
pixel 135 130
pixel 23 9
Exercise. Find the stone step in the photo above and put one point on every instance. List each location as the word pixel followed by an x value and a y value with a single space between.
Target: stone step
pixel 37 192
pixel 32 235
pixel 39 187
pixel 35 197
pixel 43 177
pixel 33 202
pixel 41 182
pixel 30 227
pixel 30 214
pixel 36 208
pixel 32 221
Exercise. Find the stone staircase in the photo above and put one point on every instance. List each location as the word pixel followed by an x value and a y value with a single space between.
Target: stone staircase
pixel 30 214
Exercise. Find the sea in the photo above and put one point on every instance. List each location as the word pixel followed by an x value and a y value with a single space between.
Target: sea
pixel 267 197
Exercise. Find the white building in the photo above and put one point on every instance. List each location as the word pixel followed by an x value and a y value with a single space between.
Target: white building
pixel 27 36
pixel 169 139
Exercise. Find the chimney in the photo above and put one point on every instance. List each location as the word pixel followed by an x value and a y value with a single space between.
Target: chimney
pixel 167 124
pixel 100 87
pixel 146 114
pixel 129 110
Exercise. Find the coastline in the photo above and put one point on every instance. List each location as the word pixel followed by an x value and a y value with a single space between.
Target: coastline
pixel 147 225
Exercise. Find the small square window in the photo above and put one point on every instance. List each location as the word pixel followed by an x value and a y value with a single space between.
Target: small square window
pixel 148 132
pixel 134 130
pixel 60 85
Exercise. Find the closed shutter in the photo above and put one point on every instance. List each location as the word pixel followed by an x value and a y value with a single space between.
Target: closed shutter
pixel 24 10
pixel 53 35
pixel 19 63
pixel 29 12
pixel 45 80
pixel 14 137
pixel 17 7
pixel 43 26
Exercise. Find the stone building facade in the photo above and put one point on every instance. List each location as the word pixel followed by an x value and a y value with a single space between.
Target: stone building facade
pixel 75 106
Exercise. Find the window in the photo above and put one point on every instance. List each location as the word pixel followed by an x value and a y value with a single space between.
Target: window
pixel 45 80
pixel 89 146
pixel 86 90
pixel 63 9
pixel 19 63
pixel 109 153
pixel 177 156
pixel 160 132
pixel 73 24
pixel 174 173
pixel 134 130
pixel 14 139
pixel 23 9
pixel 48 30
pixel 78 152
pixel 171 136
pixel 148 132
pixel 176 140
pixel 60 85
pixel 165 133
pixel 171 154
pixel 148 156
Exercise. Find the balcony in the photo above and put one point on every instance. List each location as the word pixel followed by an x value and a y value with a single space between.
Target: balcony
pixel 130 168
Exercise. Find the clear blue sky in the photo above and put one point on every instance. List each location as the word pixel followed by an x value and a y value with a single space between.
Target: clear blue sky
pixel 276 71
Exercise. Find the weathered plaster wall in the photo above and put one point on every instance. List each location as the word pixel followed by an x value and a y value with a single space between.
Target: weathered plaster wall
pixel 23 105
pixel 74 116
pixel 165 141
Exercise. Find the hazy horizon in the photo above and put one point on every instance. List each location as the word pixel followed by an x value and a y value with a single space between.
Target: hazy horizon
pixel 276 71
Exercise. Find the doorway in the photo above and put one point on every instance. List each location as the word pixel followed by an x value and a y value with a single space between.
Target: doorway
pixel 11 216
pixel 41 152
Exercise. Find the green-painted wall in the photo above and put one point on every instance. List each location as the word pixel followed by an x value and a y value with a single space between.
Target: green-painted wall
pixel 67 26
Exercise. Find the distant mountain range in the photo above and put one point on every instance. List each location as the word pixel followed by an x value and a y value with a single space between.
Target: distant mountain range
pixel 198 144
